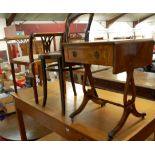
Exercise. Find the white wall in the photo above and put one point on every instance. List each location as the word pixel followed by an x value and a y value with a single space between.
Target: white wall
pixel 120 29
pixel 2 34
pixel 3 45
pixel 97 31
pixel 145 30
pixel 2 25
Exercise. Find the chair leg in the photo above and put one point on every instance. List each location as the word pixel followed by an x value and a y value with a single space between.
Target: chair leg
pixel 72 80
pixel 43 64
pixel 13 76
pixel 35 91
pixel 61 83
pixel 35 85
pixel 64 79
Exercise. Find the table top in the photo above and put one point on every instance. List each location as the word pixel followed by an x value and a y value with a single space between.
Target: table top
pixel 115 41
pixel 94 122
pixel 122 55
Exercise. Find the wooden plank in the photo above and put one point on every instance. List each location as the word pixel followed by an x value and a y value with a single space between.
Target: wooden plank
pixel 94 122
pixel 112 20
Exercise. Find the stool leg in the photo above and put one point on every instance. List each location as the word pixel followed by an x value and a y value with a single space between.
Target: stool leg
pixel 61 83
pixel 72 80
pixel 43 64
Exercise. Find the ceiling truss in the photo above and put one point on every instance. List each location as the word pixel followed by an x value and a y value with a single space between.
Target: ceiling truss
pixel 10 19
pixel 141 20
pixel 111 21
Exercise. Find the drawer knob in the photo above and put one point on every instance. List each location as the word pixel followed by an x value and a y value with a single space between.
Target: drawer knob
pixel 74 53
pixel 96 54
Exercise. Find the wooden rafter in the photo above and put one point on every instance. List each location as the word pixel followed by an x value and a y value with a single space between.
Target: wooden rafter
pixel 111 21
pixel 10 19
pixel 142 19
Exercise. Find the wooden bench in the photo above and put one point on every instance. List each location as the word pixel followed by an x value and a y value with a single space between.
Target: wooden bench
pixel 144 81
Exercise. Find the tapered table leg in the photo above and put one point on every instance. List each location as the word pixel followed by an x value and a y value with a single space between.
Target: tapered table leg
pixel 21 124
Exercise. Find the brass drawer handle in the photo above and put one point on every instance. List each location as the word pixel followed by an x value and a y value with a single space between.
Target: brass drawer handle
pixel 96 54
pixel 74 53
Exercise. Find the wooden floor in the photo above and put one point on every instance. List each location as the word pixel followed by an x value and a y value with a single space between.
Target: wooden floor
pixel 144 81
pixel 94 122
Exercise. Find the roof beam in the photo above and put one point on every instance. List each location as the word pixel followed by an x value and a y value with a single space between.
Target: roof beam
pixel 141 20
pixel 111 21
pixel 10 19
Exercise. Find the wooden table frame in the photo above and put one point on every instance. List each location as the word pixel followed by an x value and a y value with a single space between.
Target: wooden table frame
pixel 118 54
pixel 52 118
pixel 50 122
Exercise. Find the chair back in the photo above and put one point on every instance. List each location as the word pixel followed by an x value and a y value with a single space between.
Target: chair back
pixel 70 19
pixel 51 39
pixel 48 40
pixel 17 46
pixel 69 36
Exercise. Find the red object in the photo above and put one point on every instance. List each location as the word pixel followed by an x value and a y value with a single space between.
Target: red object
pixel 36 28
pixel 14 51
pixel 1 70
pixel 154 49
pixel 11 31
pixel 21 83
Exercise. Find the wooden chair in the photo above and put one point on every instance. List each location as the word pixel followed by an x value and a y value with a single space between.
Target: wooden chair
pixel 58 55
pixel 47 40
pixel 67 35
pixel 52 61
pixel 69 20
pixel 23 57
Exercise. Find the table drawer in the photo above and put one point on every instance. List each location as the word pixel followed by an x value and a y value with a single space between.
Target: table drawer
pixel 95 54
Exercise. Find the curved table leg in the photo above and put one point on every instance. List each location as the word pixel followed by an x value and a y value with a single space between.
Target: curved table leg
pixel 72 80
pixel 129 105
pixel 91 80
pixel 82 106
pixel 120 124
pixel 85 98
pixel 89 94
